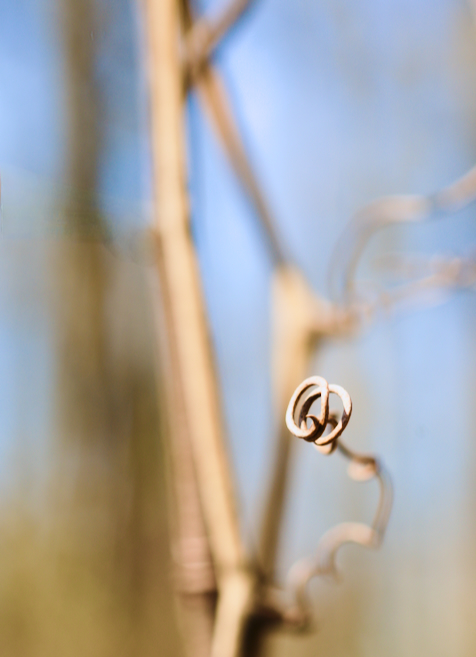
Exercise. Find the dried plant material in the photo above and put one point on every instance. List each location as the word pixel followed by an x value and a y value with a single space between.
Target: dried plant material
pixel 361 468
pixel 384 212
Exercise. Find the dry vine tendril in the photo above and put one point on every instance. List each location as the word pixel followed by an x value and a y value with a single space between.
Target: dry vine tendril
pixel 361 468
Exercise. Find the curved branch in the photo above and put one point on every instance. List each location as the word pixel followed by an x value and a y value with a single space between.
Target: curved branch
pixel 323 562
pixel 386 211
pixel 445 275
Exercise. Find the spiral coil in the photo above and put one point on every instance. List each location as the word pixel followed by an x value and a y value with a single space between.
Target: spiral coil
pixel 309 391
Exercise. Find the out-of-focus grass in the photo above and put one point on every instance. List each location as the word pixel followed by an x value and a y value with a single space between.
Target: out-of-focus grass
pixel 69 585
pixel 84 543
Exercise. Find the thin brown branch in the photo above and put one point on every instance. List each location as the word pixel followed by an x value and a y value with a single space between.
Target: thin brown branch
pixel 215 101
pixel 213 96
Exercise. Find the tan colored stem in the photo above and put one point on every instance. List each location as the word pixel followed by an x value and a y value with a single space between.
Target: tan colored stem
pixel 188 339
pixel 206 34
pixel 293 343
pixel 194 576
pixel 214 99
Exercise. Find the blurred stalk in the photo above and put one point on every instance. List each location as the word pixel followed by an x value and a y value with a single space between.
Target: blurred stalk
pixel 193 386
pixel 99 584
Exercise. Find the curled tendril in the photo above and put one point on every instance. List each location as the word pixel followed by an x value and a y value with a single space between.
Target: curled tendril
pixel 361 468
pixel 318 425
pixel 309 391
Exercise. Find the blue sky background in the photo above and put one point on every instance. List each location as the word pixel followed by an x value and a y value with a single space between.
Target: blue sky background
pixel 339 102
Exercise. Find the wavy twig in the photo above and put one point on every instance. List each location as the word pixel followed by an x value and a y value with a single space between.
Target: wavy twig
pixel 361 468
pixel 386 211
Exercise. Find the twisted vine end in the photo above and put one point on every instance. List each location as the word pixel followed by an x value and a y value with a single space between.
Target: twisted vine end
pixel 298 415
pixel 362 467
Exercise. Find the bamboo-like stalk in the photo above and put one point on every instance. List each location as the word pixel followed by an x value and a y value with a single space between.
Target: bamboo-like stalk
pixel 188 340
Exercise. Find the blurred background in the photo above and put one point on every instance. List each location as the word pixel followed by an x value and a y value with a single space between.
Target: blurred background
pixel 339 102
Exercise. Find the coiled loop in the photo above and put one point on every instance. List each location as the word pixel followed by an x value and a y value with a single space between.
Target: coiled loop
pixel 309 391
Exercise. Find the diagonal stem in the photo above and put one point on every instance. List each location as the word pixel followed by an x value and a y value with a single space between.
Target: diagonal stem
pixel 206 34
pixel 213 96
